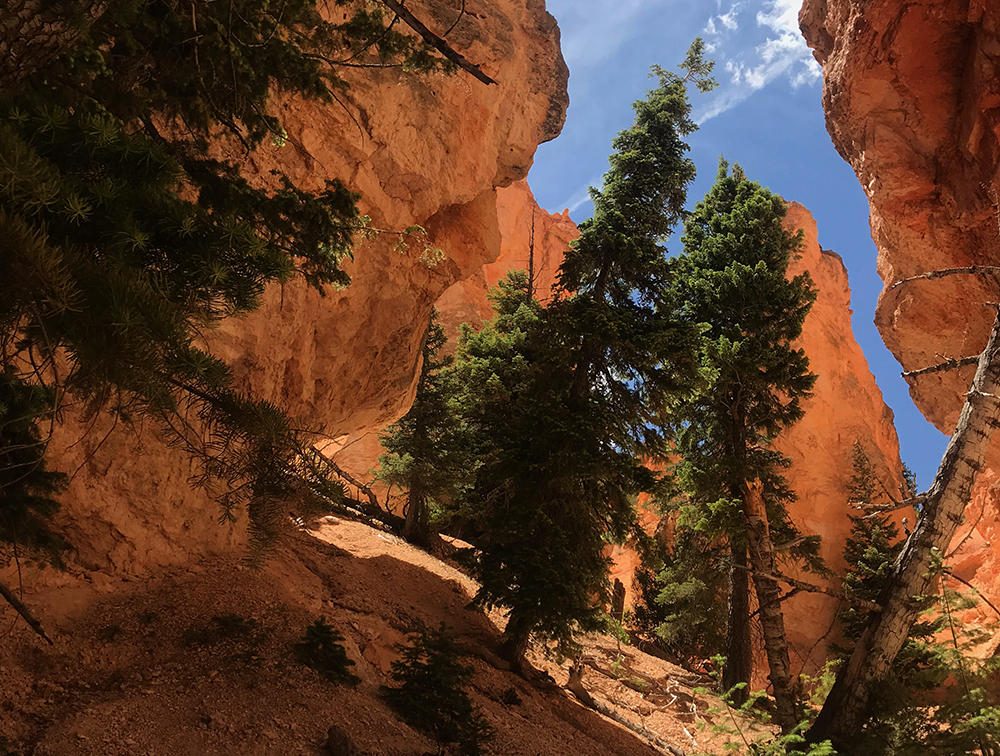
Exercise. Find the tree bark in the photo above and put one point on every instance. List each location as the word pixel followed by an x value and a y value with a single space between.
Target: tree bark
pixel 515 642
pixel 772 618
pixel 912 576
pixel 417 527
pixel 739 656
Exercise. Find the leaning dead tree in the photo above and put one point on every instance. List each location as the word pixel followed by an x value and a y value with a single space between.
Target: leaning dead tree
pixel 942 511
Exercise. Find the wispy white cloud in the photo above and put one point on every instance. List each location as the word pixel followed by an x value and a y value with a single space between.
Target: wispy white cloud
pixel 728 20
pixel 580 197
pixel 783 53
pixel 595 30
pixel 719 26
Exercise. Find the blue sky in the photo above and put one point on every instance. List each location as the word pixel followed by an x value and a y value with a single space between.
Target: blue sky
pixel 766 115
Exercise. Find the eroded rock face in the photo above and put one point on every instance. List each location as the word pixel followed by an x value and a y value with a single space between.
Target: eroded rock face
pixel 427 150
pixel 523 226
pixel 912 98
pixel 846 407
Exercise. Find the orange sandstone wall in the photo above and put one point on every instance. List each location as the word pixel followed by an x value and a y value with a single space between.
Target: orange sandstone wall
pixel 846 406
pixel 912 99
pixel 522 224
pixel 437 151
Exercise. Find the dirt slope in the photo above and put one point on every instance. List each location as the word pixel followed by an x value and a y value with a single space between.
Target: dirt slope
pixel 143 668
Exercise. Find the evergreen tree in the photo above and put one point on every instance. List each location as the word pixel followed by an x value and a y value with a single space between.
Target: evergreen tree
pixel 870 549
pixel 426 452
pixel 681 601
pixel 431 694
pixel 565 399
pixel 732 278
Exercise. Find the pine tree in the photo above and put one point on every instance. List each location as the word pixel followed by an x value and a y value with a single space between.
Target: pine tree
pixel 426 452
pixel 431 693
pixel 870 549
pixel 732 278
pixel 27 487
pixel 566 399
pixel 681 601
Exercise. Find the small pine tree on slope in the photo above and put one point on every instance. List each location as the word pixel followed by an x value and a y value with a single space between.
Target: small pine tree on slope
pixel 426 452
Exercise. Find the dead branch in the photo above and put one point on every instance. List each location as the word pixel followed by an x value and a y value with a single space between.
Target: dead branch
pixel 341 473
pixel 21 609
pixel 979 593
pixel 971 270
pixel 942 366
pixel 437 42
pixel 575 686
pixel 877 509
pixel 802 585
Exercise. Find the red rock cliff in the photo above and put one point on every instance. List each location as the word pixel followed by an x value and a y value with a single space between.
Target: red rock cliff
pixel 427 150
pixel 912 99
pixel 846 407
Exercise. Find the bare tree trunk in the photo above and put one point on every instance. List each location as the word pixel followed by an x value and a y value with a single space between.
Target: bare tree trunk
pixel 515 643
pixel 912 574
pixel 417 527
pixel 739 655
pixel 21 609
pixel 772 619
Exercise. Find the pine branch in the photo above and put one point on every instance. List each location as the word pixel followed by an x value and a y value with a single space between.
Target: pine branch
pixel 437 42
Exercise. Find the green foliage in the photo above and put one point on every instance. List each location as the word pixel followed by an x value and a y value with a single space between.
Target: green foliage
pixel 748 726
pixel 543 497
pixel 427 451
pixel 871 548
pixel 731 280
pixel 208 64
pixel 27 487
pixel 938 698
pixel 568 401
pixel 431 692
pixel 681 604
pixel 321 648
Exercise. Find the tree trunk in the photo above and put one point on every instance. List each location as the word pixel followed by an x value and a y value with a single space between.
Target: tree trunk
pixel 739 654
pixel 515 642
pixel 912 574
pixel 772 619
pixel 417 527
